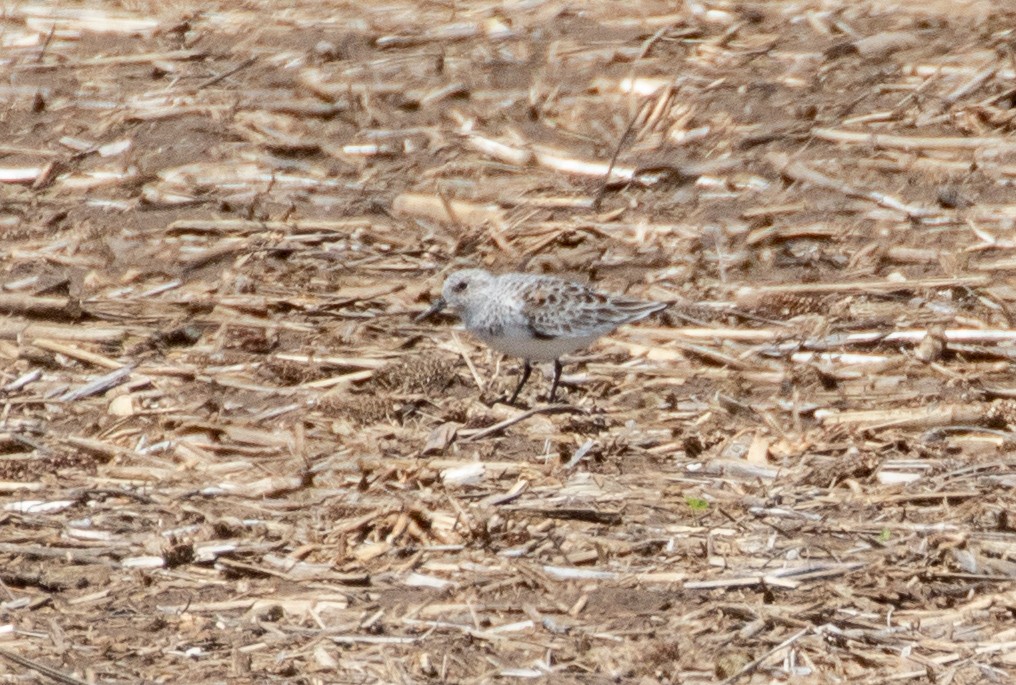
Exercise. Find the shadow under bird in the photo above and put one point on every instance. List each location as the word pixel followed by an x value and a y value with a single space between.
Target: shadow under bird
pixel 538 318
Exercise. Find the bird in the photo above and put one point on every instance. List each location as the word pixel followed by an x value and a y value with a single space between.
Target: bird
pixel 536 317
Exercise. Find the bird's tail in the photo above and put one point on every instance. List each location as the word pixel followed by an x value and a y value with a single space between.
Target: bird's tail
pixel 635 310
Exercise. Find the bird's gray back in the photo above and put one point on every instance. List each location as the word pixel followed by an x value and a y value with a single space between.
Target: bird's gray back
pixel 556 307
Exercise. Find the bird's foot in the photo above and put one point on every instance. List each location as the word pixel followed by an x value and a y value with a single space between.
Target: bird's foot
pixel 513 402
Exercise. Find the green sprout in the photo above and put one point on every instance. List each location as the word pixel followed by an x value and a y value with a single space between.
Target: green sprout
pixel 697 503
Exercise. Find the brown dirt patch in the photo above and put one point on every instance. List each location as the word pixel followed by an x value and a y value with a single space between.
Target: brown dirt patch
pixel 228 454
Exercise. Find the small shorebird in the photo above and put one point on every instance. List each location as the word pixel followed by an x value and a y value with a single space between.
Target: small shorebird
pixel 537 318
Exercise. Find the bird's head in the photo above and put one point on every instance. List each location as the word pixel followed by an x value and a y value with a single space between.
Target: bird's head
pixel 460 290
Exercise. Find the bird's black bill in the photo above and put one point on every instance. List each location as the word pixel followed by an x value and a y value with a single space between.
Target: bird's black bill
pixel 438 305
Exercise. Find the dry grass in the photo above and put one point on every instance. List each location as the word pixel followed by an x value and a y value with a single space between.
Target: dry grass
pixel 229 455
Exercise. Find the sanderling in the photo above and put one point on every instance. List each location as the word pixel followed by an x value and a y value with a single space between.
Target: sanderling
pixel 538 318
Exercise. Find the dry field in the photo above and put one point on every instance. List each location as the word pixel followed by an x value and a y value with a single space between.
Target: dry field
pixel 228 454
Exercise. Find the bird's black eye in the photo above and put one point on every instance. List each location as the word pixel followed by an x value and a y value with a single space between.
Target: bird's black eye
pixel 460 286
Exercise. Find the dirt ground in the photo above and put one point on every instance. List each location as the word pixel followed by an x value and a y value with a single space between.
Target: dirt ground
pixel 228 454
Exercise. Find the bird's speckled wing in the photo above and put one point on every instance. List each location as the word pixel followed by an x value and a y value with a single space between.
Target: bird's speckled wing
pixel 556 308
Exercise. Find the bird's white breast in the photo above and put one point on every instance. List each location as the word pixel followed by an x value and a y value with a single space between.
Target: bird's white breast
pixel 521 344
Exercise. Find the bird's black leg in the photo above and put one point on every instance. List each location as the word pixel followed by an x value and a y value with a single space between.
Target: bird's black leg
pixel 557 379
pixel 526 370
